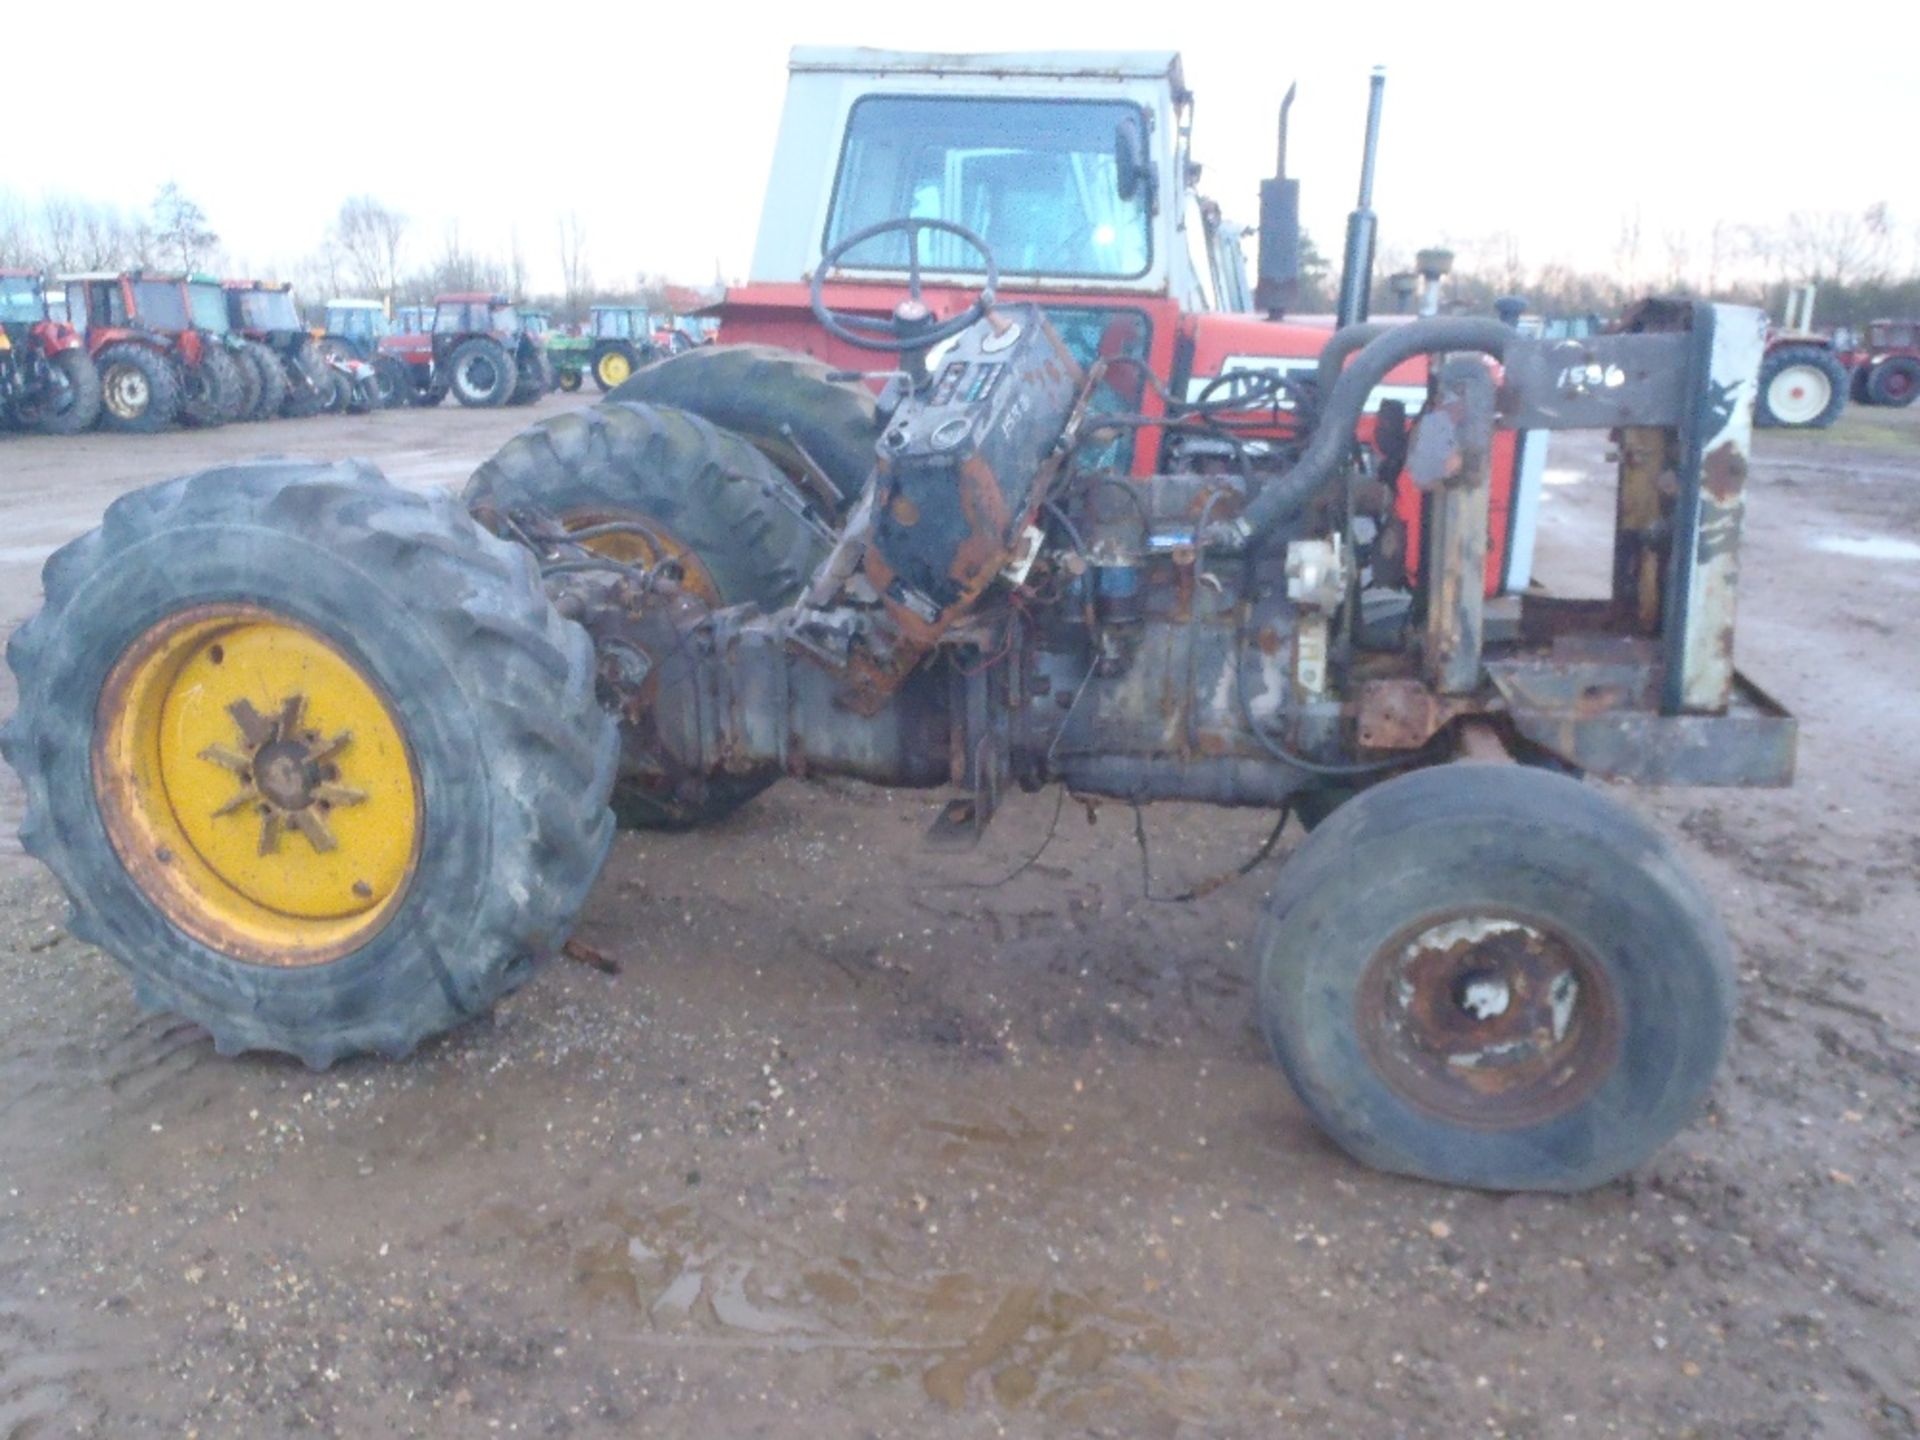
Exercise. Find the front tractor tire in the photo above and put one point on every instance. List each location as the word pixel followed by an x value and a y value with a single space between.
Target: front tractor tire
pixel 71 402
pixel 697 495
pixel 1494 976
pixel 139 392
pixel 783 401
pixel 1894 382
pixel 1802 387
pixel 314 757
pixel 481 374
pixel 273 379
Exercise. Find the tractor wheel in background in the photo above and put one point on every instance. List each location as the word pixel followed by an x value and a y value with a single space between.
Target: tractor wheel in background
pixel 1802 387
pixel 568 378
pixel 481 373
pixel 393 382
pixel 613 362
pixel 1490 975
pixel 201 399
pixel 338 815
pixel 703 497
pixel 138 391
pixel 273 379
pixel 781 400
pixel 1894 381
pixel 229 391
pixel 309 383
pixel 1857 386
pixel 429 395
pixel 535 380
pixel 71 402
pixel 246 380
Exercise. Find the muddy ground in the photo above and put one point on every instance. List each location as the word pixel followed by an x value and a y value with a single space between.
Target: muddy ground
pixel 855 1143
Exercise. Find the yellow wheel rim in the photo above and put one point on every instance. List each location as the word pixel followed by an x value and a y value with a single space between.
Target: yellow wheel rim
pixel 648 544
pixel 614 368
pixel 257 786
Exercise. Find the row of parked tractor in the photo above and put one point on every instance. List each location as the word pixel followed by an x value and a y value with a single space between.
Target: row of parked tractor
pixel 140 351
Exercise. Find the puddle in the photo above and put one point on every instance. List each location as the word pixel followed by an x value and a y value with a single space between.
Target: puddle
pixel 693 1279
pixel 1868 547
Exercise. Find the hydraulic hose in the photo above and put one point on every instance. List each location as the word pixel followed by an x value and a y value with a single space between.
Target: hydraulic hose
pixel 1346 340
pixel 1320 462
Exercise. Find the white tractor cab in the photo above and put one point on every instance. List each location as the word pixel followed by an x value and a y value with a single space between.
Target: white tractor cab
pixel 1075 170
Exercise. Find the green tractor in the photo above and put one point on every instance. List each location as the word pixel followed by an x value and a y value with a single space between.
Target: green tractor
pixel 619 342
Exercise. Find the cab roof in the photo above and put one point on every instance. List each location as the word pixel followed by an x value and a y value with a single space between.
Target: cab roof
pixel 1037 64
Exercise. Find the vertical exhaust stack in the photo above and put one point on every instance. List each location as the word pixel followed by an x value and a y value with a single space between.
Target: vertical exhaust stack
pixel 1279 281
pixel 1356 264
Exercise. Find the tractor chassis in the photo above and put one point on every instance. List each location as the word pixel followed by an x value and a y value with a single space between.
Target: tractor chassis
pixel 1185 687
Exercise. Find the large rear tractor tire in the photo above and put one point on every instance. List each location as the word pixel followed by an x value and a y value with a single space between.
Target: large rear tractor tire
pixel 1894 381
pixel 1802 387
pixel 139 393
pixel 246 382
pixel 273 380
pixel 781 400
pixel 71 403
pixel 535 381
pixel 481 373
pixel 614 363
pixel 703 497
pixel 1491 975
pixel 309 383
pixel 313 756
pixel 393 381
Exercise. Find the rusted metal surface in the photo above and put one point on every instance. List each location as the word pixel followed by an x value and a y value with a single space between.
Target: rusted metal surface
pixel 1451 451
pixel 1603 716
pixel 1489 1019
pixel 1404 714
pixel 962 475
pixel 1708 511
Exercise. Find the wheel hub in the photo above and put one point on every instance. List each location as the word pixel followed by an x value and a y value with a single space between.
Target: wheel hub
pixel 286 774
pixel 1488 1019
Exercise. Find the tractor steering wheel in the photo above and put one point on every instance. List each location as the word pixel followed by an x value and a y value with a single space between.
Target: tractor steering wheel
pixel 911 326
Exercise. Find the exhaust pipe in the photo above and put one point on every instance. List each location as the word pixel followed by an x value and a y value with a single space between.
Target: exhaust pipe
pixel 1356 263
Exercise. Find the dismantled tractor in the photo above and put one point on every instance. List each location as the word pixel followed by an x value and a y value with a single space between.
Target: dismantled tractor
pixel 327 764
pixel 48 381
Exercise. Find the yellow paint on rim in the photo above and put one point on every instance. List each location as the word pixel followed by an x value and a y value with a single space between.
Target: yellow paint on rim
pixel 614 367
pixel 256 785
pixel 649 543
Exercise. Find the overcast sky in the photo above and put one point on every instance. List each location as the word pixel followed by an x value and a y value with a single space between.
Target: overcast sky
pixel 656 123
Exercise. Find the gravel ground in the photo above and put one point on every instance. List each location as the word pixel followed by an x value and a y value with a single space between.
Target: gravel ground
pixel 855 1142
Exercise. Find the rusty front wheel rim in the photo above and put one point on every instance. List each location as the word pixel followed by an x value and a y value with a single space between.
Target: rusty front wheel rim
pixel 1489 1019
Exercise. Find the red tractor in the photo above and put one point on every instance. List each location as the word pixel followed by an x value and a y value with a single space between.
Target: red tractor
pixel 1886 363
pixel 48 381
pixel 478 350
pixel 156 365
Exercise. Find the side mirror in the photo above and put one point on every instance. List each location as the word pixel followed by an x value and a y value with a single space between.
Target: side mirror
pixel 1133 173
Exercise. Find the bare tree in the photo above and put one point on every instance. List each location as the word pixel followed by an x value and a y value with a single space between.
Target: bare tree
pixel 574 277
pixel 368 235
pixel 516 268
pixel 1839 247
pixel 181 230
pixel 17 241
